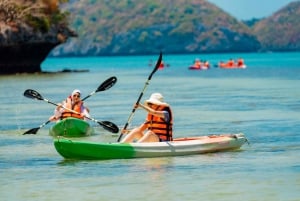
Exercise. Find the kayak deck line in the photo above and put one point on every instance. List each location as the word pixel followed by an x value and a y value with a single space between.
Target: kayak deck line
pixel 90 150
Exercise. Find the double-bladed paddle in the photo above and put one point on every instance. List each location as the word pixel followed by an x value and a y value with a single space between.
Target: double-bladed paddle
pixel 30 93
pixel 141 94
pixel 104 86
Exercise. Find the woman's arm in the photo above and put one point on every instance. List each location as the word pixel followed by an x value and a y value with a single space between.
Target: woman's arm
pixel 162 114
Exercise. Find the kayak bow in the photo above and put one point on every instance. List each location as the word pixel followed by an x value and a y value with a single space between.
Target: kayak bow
pixel 71 127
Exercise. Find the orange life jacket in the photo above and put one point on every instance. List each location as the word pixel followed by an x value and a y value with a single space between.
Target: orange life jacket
pixel 159 126
pixel 197 64
pixel 76 107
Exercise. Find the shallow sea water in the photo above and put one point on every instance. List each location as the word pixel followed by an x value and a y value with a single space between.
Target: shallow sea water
pixel 262 101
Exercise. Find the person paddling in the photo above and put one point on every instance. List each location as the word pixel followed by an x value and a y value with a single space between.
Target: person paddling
pixel 197 63
pixel 158 124
pixel 72 102
pixel 240 62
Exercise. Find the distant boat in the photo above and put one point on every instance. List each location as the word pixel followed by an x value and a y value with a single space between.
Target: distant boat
pixel 199 65
pixel 226 66
pixel 198 68
pixel 232 64
pixel 162 65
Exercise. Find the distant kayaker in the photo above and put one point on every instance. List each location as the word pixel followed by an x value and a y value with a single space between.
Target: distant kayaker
pixel 158 124
pixel 161 65
pixel 240 62
pixel 73 102
pixel 230 63
pixel 206 64
pixel 197 63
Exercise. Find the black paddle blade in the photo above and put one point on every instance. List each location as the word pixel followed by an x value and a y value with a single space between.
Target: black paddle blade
pixel 156 66
pixel 104 86
pixel 35 130
pixel 111 127
pixel 32 131
pixel 30 93
pixel 107 84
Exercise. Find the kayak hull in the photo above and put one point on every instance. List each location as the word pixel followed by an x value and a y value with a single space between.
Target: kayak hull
pixel 198 68
pixel 71 127
pixel 232 67
pixel 71 149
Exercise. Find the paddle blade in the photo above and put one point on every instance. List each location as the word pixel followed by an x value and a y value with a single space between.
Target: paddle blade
pixel 107 84
pixel 30 93
pixel 104 86
pixel 156 66
pixel 111 127
pixel 35 130
pixel 32 131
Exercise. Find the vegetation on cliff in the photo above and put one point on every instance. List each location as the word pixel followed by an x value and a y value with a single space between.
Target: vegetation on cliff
pixel 281 31
pixel 26 21
pixel 148 26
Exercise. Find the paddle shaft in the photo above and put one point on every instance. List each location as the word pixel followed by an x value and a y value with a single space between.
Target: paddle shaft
pixel 88 96
pixel 141 95
pixel 44 124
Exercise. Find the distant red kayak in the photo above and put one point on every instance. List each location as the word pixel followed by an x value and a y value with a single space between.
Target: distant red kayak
pixel 227 66
pixel 230 67
pixel 198 68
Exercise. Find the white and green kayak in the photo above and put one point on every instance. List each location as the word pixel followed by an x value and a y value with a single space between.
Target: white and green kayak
pixel 71 127
pixel 78 149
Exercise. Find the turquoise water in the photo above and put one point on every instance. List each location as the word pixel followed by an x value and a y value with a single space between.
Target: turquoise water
pixel 262 101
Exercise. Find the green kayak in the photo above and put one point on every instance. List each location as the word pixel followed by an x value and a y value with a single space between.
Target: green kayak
pixel 71 127
pixel 88 150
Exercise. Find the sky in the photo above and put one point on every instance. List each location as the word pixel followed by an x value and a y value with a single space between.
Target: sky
pixel 248 9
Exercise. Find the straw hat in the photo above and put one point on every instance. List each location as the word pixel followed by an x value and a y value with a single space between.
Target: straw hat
pixel 157 99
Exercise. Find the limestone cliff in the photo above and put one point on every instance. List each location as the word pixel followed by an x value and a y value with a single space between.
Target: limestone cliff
pixel 29 30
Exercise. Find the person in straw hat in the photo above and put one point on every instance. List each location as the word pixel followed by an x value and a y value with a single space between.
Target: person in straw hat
pixel 158 124
pixel 73 102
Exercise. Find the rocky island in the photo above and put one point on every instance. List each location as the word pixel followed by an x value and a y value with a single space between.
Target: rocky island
pixel 29 30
